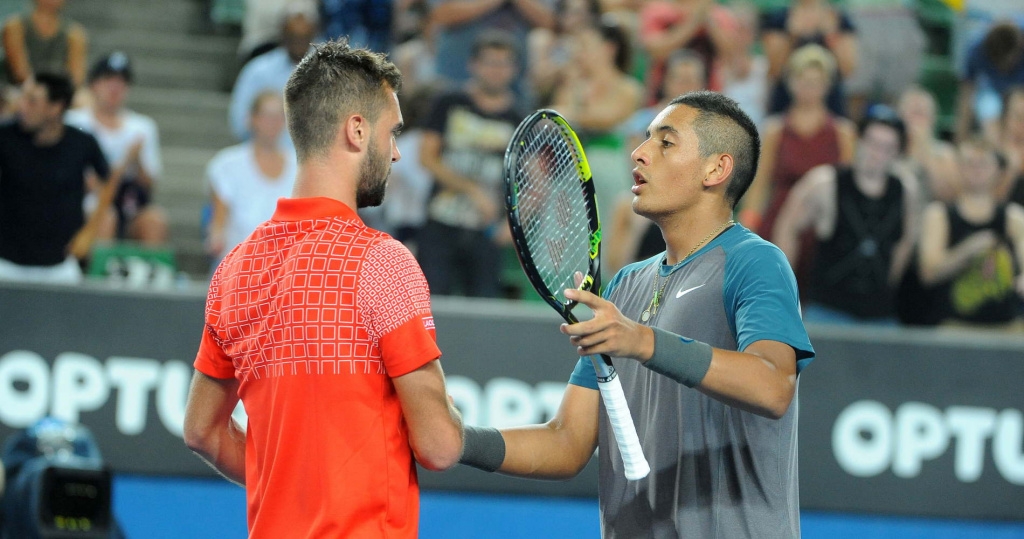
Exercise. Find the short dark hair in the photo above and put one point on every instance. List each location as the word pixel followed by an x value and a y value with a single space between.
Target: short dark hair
pixel 883 115
pixel 723 127
pixel 330 83
pixel 494 39
pixel 1002 43
pixel 59 88
pixel 613 32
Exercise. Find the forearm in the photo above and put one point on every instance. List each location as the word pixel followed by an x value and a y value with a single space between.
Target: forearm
pixel 748 382
pixel 537 13
pixel 744 380
pixel 224 450
pixel 452 13
pixel 951 262
pixel 661 45
pixel 448 178
pixel 543 452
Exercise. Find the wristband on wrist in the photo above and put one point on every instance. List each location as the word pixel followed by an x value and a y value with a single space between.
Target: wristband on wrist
pixel 482 448
pixel 684 360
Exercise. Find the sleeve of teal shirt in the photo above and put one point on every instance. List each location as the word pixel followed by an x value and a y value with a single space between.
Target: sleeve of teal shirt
pixel 761 298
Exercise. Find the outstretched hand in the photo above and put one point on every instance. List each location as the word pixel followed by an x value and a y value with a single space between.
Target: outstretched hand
pixel 609 332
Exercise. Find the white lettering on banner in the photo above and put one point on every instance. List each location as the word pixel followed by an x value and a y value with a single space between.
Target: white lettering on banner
pixel 867 439
pixel 81 383
pixel 24 388
pixel 504 402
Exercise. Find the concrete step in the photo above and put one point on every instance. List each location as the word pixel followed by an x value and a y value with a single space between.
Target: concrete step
pixel 185 171
pixel 165 44
pixel 185 73
pixel 173 101
pixel 208 132
pixel 184 16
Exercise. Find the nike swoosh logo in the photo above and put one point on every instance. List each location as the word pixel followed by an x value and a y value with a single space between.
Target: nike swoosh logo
pixel 688 290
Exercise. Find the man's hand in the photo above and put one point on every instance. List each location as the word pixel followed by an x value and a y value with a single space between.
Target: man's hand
pixel 609 332
pixel 81 244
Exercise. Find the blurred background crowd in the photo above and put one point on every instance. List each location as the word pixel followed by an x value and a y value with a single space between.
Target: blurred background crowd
pixel 892 168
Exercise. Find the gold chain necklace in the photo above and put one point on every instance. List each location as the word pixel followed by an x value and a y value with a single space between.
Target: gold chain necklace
pixel 652 307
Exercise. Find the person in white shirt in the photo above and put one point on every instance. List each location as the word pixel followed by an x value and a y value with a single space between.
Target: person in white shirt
pixel 247 179
pixel 270 71
pixel 128 139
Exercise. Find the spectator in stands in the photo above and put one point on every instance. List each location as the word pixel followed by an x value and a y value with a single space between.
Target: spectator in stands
pixel 972 250
pixel 551 50
pixel 808 134
pixel 118 129
pixel 1011 136
pixel 404 210
pixel 597 94
pixel 631 237
pixel 261 25
pixel 744 74
pixel 932 160
pixel 457 23
pixel 864 222
pixel 44 41
pixel 994 64
pixel 464 140
pixel 803 23
pixel 270 71
pixel 890 46
pixel 247 179
pixel 367 23
pixel 701 26
pixel 43 164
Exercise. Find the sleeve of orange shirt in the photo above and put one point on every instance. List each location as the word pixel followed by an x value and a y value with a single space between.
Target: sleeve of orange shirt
pixel 211 359
pixel 395 300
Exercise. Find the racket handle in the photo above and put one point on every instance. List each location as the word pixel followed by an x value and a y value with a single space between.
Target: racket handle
pixel 633 459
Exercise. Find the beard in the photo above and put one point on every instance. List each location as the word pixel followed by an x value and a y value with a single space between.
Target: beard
pixel 373 177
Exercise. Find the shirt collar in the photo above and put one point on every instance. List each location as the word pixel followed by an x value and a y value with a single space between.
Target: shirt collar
pixel 300 209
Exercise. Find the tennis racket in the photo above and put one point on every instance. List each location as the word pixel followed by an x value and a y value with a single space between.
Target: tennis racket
pixel 552 213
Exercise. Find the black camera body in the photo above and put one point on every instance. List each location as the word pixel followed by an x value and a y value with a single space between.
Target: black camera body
pixel 57 485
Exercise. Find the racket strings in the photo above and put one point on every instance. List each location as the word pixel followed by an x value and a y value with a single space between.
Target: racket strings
pixel 553 209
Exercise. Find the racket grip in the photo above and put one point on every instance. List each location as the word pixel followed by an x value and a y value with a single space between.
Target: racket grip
pixel 633 459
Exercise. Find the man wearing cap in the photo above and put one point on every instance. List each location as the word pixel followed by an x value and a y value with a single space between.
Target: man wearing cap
pixel 128 139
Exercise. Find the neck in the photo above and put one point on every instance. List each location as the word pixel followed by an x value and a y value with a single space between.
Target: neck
pixel 49 135
pixel 327 178
pixel 689 232
pixel 265 144
pixel 807 107
pixel 872 182
pixel 490 99
pixel 107 115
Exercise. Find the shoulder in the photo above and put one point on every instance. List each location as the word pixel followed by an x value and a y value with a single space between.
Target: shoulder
pixel 845 126
pixel 229 157
pixel 390 262
pixel 14 23
pixel 750 258
pixel 746 246
pixel 140 122
pixel 773 125
pixel 77 136
pixel 81 118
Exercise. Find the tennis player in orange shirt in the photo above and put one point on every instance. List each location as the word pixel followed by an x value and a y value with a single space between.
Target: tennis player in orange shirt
pixel 323 328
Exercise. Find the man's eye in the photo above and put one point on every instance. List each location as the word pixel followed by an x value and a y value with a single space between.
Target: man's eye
pixel 665 143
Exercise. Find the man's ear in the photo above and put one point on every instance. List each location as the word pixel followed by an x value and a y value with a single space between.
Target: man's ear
pixel 719 169
pixel 356 132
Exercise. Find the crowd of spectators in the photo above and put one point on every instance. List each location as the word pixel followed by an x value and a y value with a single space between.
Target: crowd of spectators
pixel 891 208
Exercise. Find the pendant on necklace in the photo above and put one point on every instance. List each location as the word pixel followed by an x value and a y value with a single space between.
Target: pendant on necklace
pixel 645 316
